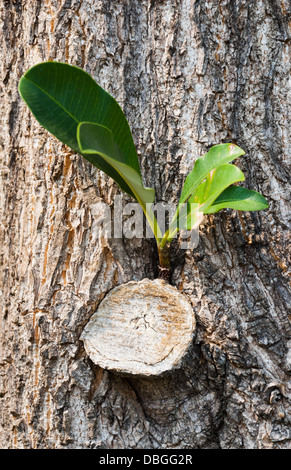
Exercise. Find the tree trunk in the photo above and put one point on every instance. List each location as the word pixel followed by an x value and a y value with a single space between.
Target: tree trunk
pixel 188 74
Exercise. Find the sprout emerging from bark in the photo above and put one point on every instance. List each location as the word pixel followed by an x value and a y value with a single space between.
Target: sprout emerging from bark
pixel 74 108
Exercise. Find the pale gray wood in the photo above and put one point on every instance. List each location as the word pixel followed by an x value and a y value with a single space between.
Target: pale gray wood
pixel 142 328
pixel 188 74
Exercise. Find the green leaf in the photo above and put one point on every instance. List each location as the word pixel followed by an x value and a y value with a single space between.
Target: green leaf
pixel 217 155
pixel 190 216
pixel 208 191
pixel 216 182
pixel 238 198
pixel 61 96
pixel 95 139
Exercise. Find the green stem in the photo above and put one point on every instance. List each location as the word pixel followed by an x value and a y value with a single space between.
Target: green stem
pixel 163 246
pixel 172 235
pixel 164 256
pixel 164 239
pixel 164 262
pixel 153 223
pixel 168 236
pixel 162 243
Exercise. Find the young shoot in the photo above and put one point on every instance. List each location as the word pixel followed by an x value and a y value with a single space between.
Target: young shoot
pixel 74 108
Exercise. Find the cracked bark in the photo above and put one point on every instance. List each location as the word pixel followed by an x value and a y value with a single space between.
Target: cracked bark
pixel 188 74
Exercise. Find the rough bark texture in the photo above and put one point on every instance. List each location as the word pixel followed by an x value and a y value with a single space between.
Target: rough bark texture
pixel 188 74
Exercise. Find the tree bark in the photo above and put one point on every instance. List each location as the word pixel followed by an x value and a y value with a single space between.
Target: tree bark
pixel 188 74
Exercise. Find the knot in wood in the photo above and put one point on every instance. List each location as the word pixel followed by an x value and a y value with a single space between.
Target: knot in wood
pixel 142 328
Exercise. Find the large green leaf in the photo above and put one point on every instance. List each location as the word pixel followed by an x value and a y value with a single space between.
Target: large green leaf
pixel 238 198
pixel 61 96
pixel 217 155
pixel 208 191
pixel 95 139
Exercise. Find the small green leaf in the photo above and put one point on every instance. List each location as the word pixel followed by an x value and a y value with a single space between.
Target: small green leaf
pixel 217 155
pixel 216 182
pixel 94 139
pixel 238 198
pixel 208 191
